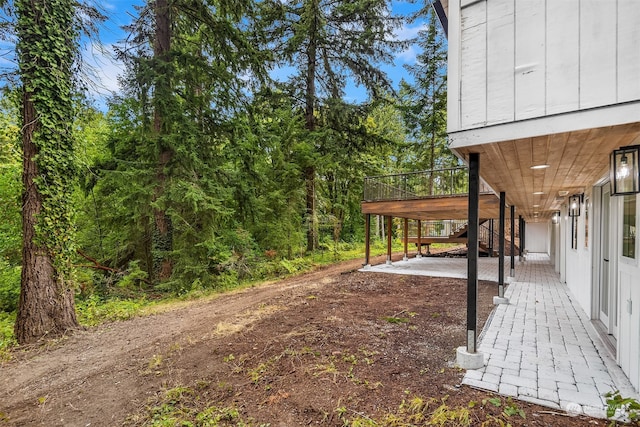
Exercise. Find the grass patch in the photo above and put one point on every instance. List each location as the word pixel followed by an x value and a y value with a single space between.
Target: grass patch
pixel 183 406
pixel 7 341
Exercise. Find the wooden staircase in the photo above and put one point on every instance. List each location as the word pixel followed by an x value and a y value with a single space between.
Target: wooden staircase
pixel 456 232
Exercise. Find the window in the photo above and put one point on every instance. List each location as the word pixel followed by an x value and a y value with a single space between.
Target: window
pixel 629 226
pixel 574 232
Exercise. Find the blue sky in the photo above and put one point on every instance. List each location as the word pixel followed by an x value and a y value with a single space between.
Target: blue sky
pixel 121 12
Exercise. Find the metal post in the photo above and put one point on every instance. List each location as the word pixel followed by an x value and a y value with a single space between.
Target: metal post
pixel 367 239
pixel 389 232
pixel 523 236
pixel 513 237
pixel 419 239
pixel 501 224
pixel 472 254
pixel 491 237
pixel 406 239
pixel 520 236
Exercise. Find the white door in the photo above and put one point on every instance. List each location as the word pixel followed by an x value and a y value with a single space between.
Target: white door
pixel 605 259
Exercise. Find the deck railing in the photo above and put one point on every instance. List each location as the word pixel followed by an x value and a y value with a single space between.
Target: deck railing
pixel 438 228
pixel 417 185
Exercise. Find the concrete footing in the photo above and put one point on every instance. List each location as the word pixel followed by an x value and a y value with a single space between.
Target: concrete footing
pixel 500 300
pixel 418 256
pixel 389 262
pixel 405 258
pixel 467 360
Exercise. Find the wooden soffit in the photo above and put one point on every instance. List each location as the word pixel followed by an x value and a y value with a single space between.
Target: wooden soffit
pixel 576 161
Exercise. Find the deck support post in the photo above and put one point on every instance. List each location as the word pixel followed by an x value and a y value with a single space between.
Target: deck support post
pixel 469 357
pixel 389 233
pixel 419 254
pixel 520 234
pixel 367 240
pixel 490 243
pixel 512 274
pixel 406 240
pixel 500 299
pixel 523 238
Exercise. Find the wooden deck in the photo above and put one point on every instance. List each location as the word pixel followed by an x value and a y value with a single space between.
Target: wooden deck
pixel 433 208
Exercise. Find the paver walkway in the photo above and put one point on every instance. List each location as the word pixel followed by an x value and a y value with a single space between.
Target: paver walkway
pixel 541 347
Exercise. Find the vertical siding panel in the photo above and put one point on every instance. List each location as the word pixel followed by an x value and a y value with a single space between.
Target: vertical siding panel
pixel 500 61
pixel 597 53
pixel 473 67
pixel 563 57
pixel 530 59
pixel 453 67
pixel 628 50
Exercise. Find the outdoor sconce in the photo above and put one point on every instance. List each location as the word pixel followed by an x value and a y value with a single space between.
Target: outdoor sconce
pixel 624 171
pixel 574 205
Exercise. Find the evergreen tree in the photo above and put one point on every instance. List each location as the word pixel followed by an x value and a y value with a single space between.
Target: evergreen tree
pixel 328 41
pixel 424 102
pixel 188 66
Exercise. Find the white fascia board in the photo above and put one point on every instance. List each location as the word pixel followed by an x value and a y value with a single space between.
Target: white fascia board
pixel 612 115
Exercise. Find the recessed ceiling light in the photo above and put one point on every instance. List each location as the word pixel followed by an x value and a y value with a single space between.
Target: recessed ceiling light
pixel 563 193
pixel 537 193
pixel 536 206
pixel 539 166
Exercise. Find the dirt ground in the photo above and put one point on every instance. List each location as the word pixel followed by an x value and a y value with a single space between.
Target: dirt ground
pixel 333 347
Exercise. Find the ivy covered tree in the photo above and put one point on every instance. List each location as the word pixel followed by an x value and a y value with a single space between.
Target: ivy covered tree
pixel 327 42
pixel 47 47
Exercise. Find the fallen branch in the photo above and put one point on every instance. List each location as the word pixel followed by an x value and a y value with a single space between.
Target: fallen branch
pixel 96 265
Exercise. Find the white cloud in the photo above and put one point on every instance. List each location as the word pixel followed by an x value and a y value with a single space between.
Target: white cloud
pixel 101 70
pixel 407 56
pixel 409 31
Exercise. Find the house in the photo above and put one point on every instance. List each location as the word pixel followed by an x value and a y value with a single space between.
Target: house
pixel 544 92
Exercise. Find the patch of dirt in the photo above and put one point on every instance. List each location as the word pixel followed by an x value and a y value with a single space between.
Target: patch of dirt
pixel 317 349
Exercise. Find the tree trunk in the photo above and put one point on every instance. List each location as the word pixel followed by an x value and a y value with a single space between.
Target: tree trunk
pixel 46 306
pixel 162 239
pixel 310 124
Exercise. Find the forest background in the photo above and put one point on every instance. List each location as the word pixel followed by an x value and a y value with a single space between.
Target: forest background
pixel 209 168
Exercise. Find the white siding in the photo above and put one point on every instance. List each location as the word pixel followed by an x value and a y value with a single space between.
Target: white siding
pixel 537 237
pixel 515 60
pixel 473 105
pixel 530 59
pixel 500 61
pixel 597 53
pixel 563 53
pixel 628 50
pixel 578 265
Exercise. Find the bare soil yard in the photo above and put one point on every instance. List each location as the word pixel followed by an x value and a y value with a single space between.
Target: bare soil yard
pixel 333 347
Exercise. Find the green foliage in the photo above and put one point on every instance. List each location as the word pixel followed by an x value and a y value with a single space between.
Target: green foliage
pixel 9 286
pixel 181 406
pixel 423 103
pixel 6 335
pixel 94 311
pixel 10 184
pixel 622 407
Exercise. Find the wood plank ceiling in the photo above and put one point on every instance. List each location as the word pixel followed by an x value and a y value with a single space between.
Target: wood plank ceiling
pixel 576 160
